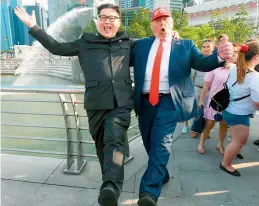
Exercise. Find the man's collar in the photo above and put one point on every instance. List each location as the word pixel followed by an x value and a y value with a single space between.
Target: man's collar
pixel 167 39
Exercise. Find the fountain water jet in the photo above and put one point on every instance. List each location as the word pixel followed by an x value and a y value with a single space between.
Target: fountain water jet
pixel 42 68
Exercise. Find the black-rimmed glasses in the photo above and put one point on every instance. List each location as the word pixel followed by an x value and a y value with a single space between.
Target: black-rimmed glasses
pixel 111 18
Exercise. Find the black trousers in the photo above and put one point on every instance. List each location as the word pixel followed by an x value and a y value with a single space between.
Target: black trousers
pixel 108 129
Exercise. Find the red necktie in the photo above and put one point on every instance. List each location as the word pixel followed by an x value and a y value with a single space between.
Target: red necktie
pixel 154 87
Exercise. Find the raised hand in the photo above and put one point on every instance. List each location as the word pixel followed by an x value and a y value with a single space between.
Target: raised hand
pixel 29 20
pixel 226 50
pixel 175 35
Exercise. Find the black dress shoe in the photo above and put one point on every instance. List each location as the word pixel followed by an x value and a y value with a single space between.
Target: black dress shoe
pixel 240 156
pixel 146 199
pixel 108 196
pixel 234 173
pixel 256 142
pixel 167 179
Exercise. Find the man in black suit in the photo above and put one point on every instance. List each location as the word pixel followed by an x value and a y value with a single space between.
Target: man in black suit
pixel 104 59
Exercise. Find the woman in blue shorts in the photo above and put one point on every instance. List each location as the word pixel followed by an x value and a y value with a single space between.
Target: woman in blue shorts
pixel 237 113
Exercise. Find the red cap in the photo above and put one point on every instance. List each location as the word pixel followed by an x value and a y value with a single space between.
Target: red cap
pixel 159 12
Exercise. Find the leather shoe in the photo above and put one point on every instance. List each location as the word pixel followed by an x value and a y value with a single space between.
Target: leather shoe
pixel 256 142
pixel 167 179
pixel 240 156
pixel 146 199
pixel 234 173
pixel 108 196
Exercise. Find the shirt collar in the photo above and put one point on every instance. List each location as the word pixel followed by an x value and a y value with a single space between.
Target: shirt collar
pixel 167 39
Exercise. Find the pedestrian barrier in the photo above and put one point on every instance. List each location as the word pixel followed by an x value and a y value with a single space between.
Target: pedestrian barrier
pixel 72 167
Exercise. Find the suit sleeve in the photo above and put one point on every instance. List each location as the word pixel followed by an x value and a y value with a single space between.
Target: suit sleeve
pixel 132 48
pixel 204 63
pixel 54 47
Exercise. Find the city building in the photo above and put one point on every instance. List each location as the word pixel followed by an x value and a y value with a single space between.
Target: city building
pixel 52 8
pixel 88 3
pixel 127 15
pixel 57 8
pixel 41 14
pixel 117 2
pixel 122 3
pixel 128 4
pixel 8 28
pixel 169 4
pixel 84 17
pixel 188 3
pixel 202 14
pixel 138 3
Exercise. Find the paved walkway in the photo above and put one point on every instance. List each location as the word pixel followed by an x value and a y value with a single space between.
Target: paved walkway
pixel 196 180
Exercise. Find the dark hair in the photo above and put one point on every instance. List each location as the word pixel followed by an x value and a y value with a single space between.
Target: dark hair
pixel 257 68
pixel 243 58
pixel 208 40
pixel 221 35
pixel 108 6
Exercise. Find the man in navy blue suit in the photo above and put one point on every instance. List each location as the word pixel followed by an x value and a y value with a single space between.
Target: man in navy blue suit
pixel 164 94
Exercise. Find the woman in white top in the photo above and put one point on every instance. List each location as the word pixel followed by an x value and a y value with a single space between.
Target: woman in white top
pixel 243 81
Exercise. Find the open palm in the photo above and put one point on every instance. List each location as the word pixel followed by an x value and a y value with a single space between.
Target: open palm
pixel 29 20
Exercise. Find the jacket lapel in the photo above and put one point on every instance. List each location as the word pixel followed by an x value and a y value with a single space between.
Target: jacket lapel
pixel 175 53
pixel 145 54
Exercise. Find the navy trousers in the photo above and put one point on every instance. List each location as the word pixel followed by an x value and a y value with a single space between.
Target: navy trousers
pixel 157 125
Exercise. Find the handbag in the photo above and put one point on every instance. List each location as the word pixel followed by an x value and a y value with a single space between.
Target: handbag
pixel 199 122
pixel 221 99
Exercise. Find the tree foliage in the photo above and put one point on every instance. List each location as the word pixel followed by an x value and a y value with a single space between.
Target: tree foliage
pixel 140 25
pixel 91 27
pixel 236 27
pixel 180 19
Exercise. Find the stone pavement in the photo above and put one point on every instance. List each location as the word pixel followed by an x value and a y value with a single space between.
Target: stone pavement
pixel 196 180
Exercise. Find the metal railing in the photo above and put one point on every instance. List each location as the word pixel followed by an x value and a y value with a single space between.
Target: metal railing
pixel 71 168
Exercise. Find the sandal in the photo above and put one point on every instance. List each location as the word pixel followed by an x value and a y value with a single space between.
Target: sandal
pixel 220 149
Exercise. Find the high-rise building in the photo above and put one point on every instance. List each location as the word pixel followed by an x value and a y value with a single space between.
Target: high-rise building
pixel 138 3
pixel 117 2
pixel 8 26
pixel 169 4
pixel 128 14
pixel 128 4
pixel 21 33
pixel 57 8
pixel 188 3
pixel 122 3
pixel 88 3
pixel 52 8
pixel 84 17
pixel 176 4
pixel 6 32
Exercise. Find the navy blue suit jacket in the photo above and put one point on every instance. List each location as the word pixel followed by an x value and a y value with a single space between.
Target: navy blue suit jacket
pixel 184 56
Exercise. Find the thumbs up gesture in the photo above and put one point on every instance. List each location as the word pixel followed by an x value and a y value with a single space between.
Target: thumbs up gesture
pixel 29 20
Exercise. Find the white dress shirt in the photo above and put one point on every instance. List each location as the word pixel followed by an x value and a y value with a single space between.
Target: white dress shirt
pixel 163 81
pixel 164 67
